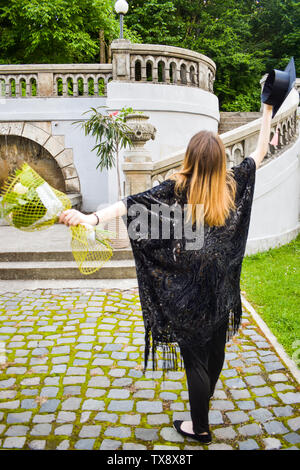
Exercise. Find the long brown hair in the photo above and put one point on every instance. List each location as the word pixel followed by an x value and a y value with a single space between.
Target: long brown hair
pixel 207 180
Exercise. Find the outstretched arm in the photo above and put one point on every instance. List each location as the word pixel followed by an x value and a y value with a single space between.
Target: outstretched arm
pixel 264 136
pixel 74 217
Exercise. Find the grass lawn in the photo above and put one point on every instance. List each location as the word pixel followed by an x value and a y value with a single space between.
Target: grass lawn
pixel 270 281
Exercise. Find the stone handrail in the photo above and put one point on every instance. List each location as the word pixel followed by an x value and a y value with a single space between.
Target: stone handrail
pixel 130 62
pixel 162 64
pixel 44 80
pixel 238 142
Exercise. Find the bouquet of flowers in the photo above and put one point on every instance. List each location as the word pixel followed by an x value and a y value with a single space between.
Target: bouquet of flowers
pixel 29 203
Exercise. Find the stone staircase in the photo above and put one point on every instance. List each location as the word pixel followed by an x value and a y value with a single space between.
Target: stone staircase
pixel 232 120
pixel 47 255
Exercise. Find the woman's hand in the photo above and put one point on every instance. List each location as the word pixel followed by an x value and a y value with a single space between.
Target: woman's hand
pixel 72 217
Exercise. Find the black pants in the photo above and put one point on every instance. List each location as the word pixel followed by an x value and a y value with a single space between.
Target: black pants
pixel 203 368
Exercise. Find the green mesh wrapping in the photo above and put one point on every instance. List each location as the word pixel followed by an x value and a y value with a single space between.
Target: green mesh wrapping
pixel 29 203
pixel 90 248
pixel 25 197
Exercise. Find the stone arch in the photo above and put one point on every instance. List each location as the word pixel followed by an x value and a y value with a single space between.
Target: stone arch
pixel 138 70
pixel 280 134
pixel 229 159
pixel 290 128
pixel 183 73
pixel 284 133
pixel 157 179
pixel 237 153
pixel 210 81
pixel 173 72
pixel 79 85
pixel 171 172
pixel 53 144
pixel 161 70
pixel 271 149
pixel 149 69
pixel 192 75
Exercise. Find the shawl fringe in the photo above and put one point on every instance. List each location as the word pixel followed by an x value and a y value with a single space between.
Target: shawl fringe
pixel 169 352
pixel 166 352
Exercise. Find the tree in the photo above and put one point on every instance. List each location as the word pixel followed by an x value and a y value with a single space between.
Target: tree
pixel 55 31
pixel 275 26
pixel 155 21
pixel 244 38
pixel 220 30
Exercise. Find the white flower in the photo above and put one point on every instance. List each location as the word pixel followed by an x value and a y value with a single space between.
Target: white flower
pixel 20 189
pixel 90 232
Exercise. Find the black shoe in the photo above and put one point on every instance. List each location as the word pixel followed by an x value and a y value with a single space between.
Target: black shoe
pixel 204 438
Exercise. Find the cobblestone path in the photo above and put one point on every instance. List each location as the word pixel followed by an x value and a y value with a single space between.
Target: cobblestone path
pixel 71 378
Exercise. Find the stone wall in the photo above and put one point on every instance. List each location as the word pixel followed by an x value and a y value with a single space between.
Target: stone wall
pixel 15 150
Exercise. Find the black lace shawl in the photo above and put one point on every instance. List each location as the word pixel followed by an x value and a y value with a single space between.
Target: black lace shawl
pixel 186 295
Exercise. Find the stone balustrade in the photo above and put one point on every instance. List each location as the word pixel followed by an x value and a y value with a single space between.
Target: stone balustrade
pixel 130 62
pixel 162 64
pixel 238 142
pixel 43 80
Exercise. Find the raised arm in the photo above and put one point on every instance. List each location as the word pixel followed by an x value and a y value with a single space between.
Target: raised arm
pixel 74 217
pixel 264 136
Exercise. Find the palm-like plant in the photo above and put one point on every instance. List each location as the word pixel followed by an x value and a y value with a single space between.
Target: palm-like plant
pixel 112 134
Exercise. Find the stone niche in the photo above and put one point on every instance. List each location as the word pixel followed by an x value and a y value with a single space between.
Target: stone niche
pixel 15 150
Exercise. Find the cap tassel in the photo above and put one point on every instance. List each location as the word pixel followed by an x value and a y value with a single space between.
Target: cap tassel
pixel 275 138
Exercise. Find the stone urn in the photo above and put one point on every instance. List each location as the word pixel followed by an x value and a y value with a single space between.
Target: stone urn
pixel 141 132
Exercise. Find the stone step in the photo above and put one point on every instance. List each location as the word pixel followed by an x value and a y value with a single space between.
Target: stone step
pixel 239 115
pixel 39 270
pixel 20 285
pixel 39 256
pixel 232 120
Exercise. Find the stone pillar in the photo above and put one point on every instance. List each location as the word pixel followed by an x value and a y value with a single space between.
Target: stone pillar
pixel 45 84
pixel 138 177
pixel 120 49
pixel 138 163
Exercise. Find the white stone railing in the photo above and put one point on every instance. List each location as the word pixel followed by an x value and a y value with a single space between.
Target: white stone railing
pixel 43 80
pixel 162 64
pixel 130 62
pixel 241 141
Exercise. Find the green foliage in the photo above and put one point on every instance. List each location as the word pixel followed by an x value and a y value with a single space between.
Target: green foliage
pixel 244 38
pixel 56 31
pixel 271 281
pixel 276 28
pixel 153 20
pixel 111 134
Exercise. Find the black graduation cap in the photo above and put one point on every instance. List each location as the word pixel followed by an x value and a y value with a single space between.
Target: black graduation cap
pixel 278 85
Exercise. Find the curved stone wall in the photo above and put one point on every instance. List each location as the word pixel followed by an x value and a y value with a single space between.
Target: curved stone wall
pixel 40 133
pixel 15 150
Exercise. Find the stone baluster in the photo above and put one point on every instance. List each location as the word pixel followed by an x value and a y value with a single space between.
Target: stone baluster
pixel 75 85
pixel 144 71
pixel 154 70
pixel 167 73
